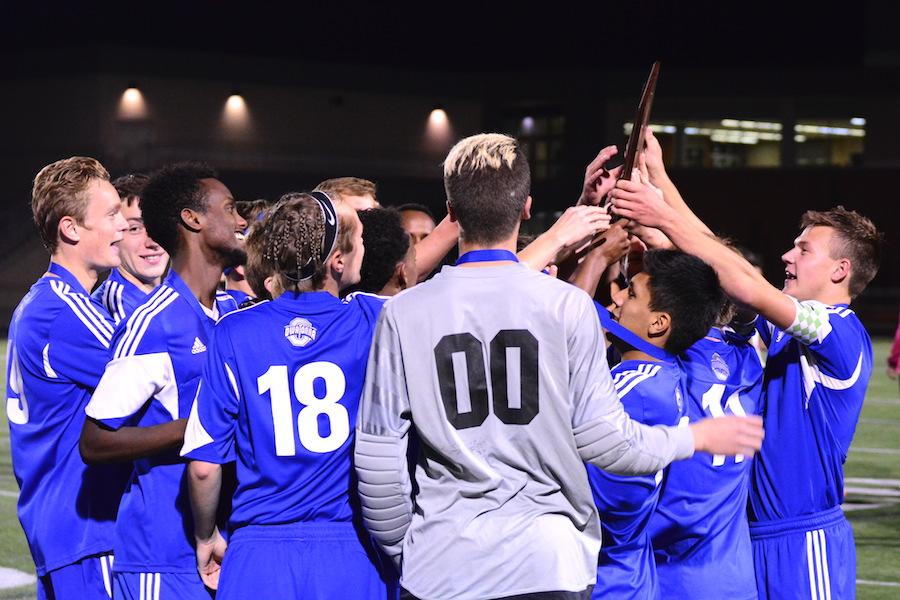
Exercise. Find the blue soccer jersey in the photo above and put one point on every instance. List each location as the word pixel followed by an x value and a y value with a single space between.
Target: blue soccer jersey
pixel 700 534
pixel 152 378
pixel 58 346
pixel 119 296
pixel 286 409
pixel 815 381
pixel 651 393
pixel 238 295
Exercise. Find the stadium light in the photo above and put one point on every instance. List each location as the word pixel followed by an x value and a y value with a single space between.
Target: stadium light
pixel 236 115
pixel 438 131
pixel 132 104
pixel 527 125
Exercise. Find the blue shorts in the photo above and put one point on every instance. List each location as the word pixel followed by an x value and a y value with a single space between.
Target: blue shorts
pixel 160 586
pixel 303 560
pixel 812 556
pixel 88 579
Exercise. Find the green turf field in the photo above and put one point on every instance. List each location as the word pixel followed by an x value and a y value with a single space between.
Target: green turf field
pixel 873 493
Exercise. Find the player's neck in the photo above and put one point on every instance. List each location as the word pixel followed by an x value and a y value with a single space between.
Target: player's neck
pixel 505 244
pixel 638 355
pixel 86 275
pixel 140 284
pixel 832 297
pixel 201 276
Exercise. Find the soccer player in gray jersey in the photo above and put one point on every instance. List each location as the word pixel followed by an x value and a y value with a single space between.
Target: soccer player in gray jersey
pixel 501 370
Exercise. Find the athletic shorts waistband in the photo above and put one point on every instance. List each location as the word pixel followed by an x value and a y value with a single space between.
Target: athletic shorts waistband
pixel 764 529
pixel 298 531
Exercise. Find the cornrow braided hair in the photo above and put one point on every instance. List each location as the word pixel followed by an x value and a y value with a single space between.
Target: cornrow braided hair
pixel 293 241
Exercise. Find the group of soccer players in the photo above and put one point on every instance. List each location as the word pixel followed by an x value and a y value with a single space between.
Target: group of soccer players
pixel 347 433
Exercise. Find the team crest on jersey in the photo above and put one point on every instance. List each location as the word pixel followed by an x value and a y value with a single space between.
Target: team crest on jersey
pixel 300 332
pixel 719 367
pixel 679 403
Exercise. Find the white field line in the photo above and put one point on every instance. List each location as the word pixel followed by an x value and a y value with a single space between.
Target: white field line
pixel 871 481
pixel 886 451
pixel 873 491
pixel 878 583
pixel 7 494
pixel 12 578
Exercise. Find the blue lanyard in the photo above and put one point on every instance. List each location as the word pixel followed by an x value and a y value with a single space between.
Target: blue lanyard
pixel 615 329
pixel 486 256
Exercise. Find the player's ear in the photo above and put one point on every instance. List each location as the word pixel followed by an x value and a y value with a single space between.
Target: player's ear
pixel 335 262
pixel 68 230
pixel 841 270
pixel 271 286
pixel 191 219
pixel 450 212
pixel 400 275
pixel 526 210
pixel 660 324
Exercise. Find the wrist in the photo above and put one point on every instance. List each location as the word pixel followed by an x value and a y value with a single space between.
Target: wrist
pixel 209 540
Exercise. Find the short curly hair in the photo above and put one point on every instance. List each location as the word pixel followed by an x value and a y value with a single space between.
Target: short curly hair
pixel 386 244
pixel 169 191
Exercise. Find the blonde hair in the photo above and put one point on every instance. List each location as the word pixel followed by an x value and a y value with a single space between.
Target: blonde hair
pixel 60 190
pixel 483 151
pixel 487 180
pixel 347 186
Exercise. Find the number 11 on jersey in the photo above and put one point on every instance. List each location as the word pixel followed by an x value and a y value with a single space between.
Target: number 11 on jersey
pixel 712 403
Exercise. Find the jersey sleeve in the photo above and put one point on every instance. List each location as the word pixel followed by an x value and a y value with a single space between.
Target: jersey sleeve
pixel 832 336
pixel 381 441
pixel 78 345
pixel 210 431
pixel 604 433
pixel 139 371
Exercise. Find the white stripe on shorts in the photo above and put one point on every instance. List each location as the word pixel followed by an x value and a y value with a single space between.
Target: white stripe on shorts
pixel 817 565
pixel 104 568
pixel 825 565
pixel 809 565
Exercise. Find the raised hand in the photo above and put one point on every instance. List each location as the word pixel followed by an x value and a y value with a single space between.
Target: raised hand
pixel 616 243
pixel 597 179
pixel 640 202
pixel 652 157
pixel 579 223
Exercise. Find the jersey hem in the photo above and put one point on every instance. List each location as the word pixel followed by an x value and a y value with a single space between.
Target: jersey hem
pixel 138 568
pixel 536 589
pixel 72 559
pixel 776 527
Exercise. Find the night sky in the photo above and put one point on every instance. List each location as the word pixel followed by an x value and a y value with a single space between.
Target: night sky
pixel 471 37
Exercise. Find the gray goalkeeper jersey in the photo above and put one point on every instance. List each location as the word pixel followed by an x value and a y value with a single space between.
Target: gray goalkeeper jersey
pixel 502 372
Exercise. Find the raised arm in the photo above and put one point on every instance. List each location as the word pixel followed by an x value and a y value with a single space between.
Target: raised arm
pixel 431 250
pixel 739 278
pixel 576 225
pixel 609 247
pixel 651 159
